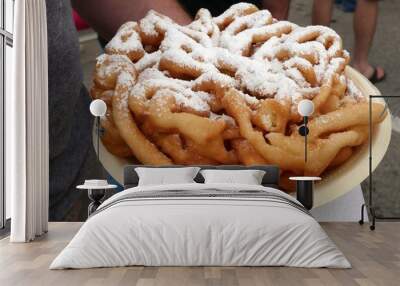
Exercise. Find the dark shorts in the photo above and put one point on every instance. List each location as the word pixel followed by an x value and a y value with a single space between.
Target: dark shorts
pixel 216 7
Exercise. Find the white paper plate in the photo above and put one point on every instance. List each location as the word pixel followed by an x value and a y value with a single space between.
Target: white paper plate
pixel 334 184
pixel 347 176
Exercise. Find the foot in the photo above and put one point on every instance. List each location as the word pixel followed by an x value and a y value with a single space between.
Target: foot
pixel 373 74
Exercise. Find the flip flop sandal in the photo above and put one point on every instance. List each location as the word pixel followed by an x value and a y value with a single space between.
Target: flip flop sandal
pixel 374 78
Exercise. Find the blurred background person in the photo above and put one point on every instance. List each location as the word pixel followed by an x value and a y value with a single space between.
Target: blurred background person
pixel 364 24
pixel 278 8
pixel 347 5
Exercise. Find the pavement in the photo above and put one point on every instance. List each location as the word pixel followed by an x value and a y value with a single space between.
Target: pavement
pixel 385 53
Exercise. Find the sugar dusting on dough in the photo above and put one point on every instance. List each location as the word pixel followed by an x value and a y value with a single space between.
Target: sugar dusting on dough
pixel 254 53
pixel 126 39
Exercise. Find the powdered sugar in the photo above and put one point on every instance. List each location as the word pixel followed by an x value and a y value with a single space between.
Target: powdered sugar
pixel 125 83
pixel 152 80
pixel 125 79
pixel 353 92
pixel 154 23
pixel 108 68
pixel 243 48
pixel 228 119
pixel 148 61
pixel 126 40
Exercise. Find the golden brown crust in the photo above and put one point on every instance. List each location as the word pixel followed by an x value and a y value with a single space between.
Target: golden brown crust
pixel 225 90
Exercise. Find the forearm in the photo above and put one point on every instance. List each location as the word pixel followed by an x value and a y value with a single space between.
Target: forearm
pixel 106 16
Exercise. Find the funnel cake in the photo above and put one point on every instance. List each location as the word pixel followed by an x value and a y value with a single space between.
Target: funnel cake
pixel 225 89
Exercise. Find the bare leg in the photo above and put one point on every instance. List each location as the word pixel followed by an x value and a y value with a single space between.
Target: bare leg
pixel 322 12
pixel 365 19
pixel 278 8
